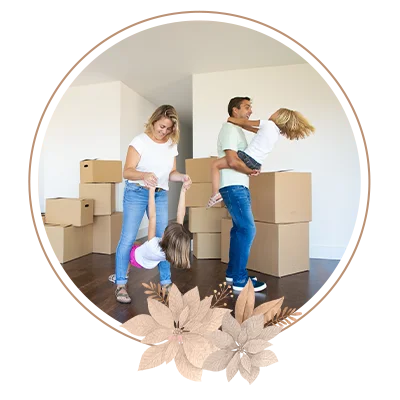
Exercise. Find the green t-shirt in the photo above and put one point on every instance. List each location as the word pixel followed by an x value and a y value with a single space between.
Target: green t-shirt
pixel 231 137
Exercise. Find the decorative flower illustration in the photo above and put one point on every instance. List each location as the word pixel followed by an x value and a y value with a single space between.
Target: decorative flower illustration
pixel 185 329
pixel 182 327
pixel 241 347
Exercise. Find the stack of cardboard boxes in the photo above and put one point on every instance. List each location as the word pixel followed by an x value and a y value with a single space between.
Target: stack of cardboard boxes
pixel 281 204
pixel 205 224
pixel 77 227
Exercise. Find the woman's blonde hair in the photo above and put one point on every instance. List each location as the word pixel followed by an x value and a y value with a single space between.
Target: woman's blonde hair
pixel 165 111
pixel 175 243
pixel 292 124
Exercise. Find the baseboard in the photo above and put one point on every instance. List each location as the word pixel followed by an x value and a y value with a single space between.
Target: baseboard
pixel 327 252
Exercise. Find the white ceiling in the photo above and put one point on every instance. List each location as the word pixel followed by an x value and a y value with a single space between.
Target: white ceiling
pixel 158 63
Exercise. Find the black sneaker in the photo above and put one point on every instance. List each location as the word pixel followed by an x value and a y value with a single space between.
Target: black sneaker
pixel 230 280
pixel 258 286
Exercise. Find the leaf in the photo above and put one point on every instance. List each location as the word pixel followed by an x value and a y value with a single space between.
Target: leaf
pixel 269 309
pixel 175 302
pixel 157 336
pixel 158 288
pixel 172 350
pixel 231 326
pixel 152 357
pixel 197 349
pixel 245 302
pixel 161 313
pixel 269 333
pixel 253 326
pixel 218 360
pixel 204 306
pixel 183 317
pixel 140 325
pixel 256 345
pixel 246 362
pixel 148 292
pixel 212 320
pixel 233 366
pixel 185 368
pixel 146 285
pixel 250 377
pixel 222 340
pixel 263 359
pixel 192 299
pixel 287 320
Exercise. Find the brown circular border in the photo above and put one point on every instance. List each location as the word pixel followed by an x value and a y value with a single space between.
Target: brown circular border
pixel 320 319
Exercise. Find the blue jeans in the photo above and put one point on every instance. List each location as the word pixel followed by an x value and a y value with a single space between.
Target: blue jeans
pixel 135 204
pixel 238 201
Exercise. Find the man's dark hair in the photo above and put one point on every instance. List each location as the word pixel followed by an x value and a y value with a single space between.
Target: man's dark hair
pixel 236 102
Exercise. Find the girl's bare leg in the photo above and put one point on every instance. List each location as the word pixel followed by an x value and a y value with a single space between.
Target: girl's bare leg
pixel 216 166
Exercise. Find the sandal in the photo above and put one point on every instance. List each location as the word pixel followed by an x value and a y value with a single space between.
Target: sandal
pixel 217 198
pixel 122 295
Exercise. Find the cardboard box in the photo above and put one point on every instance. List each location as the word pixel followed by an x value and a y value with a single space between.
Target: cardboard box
pixel 202 220
pixel 281 197
pixel 43 217
pixel 101 171
pixel 103 195
pixel 199 169
pixel 69 211
pixel 106 233
pixel 277 250
pixel 207 245
pixel 70 242
pixel 199 194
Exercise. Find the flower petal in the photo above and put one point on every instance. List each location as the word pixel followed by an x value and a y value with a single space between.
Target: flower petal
pixel 183 316
pixel 256 345
pixel 263 359
pixel 172 350
pixel 253 326
pixel 218 360
pixel 140 325
pixel 185 368
pixel 231 326
pixel 212 320
pixel 269 332
pixel 250 377
pixel 153 357
pixel 222 340
pixel 246 362
pixel 197 349
pixel 160 313
pixel 204 306
pixel 233 366
pixel 157 336
pixel 175 302
pixel 192 299
pixel 242 338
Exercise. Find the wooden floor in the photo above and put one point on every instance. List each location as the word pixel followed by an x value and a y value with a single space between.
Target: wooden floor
pixel 90 275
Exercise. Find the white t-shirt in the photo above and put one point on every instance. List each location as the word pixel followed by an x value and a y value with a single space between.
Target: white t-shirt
pixel 264 141
pixel 155 157
pixel 149 254
pixel 231 137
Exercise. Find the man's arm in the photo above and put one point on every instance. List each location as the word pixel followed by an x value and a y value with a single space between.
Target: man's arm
pixel 234 162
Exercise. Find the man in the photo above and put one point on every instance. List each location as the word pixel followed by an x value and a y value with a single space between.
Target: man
pixel 234 188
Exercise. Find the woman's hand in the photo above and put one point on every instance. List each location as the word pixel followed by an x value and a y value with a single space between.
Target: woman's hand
pixel 187 182
pixel 150 179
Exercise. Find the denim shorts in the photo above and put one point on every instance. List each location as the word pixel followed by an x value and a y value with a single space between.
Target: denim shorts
pixel 249 161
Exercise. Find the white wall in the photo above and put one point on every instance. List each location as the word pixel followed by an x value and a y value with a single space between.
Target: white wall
pixel 85 124
pixel 331 154
pixel 97 121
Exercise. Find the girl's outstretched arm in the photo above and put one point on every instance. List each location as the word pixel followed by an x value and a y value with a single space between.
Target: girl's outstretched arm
pixel 249 125
pixel 180 214
pixel 152 214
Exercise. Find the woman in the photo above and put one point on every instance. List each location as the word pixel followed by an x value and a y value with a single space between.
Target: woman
pixel 150 162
